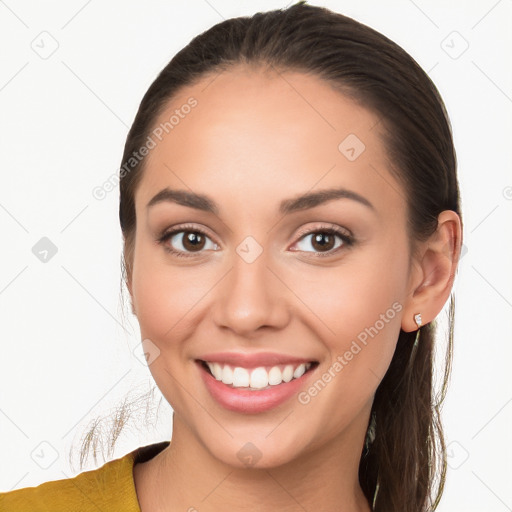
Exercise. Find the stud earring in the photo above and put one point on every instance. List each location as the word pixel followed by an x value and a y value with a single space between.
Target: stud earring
pixel 417 319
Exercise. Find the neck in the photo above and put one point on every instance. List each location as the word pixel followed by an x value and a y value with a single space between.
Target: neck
pixel 185 476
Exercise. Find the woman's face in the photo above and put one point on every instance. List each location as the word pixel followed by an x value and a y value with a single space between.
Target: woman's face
pixel 264 276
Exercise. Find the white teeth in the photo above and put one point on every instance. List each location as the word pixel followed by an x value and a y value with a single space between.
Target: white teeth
pixel 299 371
pixel 216 369
pixel 240 377
pixel 227 375
pixel 274 376
pixel 258 378
pixel 288 373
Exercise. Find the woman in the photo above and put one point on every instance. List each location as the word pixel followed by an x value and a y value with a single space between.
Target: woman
pixel 292 226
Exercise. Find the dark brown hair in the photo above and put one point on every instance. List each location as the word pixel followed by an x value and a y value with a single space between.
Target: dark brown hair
pixel 400 463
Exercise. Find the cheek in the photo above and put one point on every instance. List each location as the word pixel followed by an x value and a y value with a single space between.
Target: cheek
pixel 359 308
pixel 159 294
pixel 352 297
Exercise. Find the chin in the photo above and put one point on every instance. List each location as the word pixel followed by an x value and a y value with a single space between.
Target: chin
pixel 255 452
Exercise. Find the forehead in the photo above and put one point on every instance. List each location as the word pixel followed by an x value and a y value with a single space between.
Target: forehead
pixel 264 135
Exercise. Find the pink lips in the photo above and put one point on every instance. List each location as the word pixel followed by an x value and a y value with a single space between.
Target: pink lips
pixel 252 401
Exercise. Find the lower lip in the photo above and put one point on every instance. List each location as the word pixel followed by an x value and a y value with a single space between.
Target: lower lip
pixel 247 401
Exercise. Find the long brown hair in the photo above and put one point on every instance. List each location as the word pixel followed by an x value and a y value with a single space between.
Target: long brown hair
pixel 405 454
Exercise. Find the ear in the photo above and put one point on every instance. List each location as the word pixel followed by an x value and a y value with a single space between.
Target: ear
pixel 433 271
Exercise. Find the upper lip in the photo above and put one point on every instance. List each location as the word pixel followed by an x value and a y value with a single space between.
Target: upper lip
pixel 253 360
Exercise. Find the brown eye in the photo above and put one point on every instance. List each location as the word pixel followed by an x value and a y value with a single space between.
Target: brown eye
pixel 186 242
pixel 324 241
pixel 193 241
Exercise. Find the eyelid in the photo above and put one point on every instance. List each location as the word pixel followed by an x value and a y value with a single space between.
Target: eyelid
pixel 324 227
pixel 185 227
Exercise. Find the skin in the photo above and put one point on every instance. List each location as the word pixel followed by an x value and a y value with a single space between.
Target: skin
pixel 253 140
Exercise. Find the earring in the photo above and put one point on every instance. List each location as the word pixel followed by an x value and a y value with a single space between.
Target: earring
pixel 417 319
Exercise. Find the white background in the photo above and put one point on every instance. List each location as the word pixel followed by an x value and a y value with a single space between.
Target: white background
pixel 66 350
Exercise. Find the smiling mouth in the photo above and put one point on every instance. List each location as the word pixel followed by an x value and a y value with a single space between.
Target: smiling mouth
pixel 258 378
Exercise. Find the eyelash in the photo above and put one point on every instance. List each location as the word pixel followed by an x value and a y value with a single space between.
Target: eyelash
pixel 348 240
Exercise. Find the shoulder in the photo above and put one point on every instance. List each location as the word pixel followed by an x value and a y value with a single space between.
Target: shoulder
pixel 109 487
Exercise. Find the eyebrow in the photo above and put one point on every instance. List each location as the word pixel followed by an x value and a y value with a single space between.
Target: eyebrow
pixel 287 206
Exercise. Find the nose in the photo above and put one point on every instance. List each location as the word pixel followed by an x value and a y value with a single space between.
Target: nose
pixel 251 297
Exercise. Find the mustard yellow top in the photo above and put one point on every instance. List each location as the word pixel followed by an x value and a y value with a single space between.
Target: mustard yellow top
pixel 109 488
